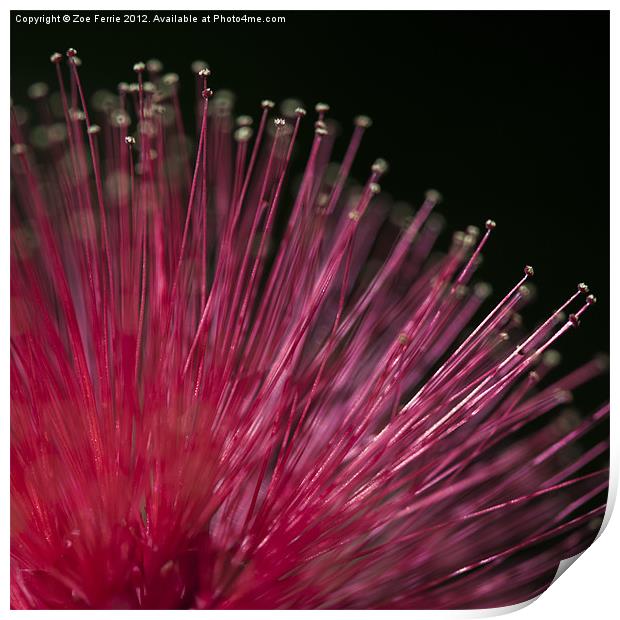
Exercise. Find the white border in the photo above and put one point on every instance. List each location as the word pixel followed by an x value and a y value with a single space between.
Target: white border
pixel 589 588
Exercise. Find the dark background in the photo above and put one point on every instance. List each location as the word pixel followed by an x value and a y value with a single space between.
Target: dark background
pixel 506 113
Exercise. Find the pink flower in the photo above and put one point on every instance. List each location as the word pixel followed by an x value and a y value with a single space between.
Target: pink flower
pixel 225 399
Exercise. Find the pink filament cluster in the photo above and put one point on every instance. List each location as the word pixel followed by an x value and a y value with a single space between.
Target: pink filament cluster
pixel 216 406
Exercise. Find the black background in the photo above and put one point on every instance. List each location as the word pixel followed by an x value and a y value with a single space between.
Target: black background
pixel 506 113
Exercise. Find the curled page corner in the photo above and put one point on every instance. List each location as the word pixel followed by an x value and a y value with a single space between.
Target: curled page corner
pixel 564 565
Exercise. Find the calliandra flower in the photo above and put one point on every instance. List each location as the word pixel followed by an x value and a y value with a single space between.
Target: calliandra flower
pixel 223 398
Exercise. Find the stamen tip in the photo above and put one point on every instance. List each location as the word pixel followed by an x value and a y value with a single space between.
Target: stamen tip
pixel 198 65
pixel 552 358
pixel 362 121
pixel 458 238
pixel 433 196
pixel 154 65
pixel 243 134
pixel 19 149
pixel 482 290
pixel 469 240
pixel 473 231
pixel 170 79
pixel 38 90
pixel 403 339
pixel 460 291
pixel 380 166
pixel 244 121
pixel 564 396
pixel 602 360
